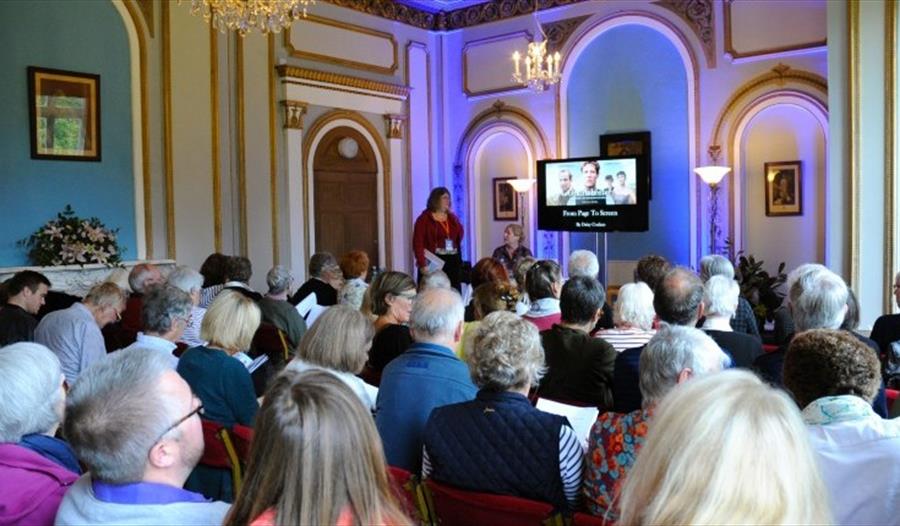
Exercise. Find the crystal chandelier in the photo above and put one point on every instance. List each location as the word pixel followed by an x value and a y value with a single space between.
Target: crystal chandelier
pixel 541 68
pixel 266 16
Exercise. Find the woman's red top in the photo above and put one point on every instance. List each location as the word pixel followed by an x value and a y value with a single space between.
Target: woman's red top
pixel 429 234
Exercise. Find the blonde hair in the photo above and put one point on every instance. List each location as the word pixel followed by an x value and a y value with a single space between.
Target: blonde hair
pixel 634 305
pixel 231 321
pixel 339 339
pixel 105 294
pixel 707 460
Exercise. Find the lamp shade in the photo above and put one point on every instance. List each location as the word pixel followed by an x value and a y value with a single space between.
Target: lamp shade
pixel 712 175
pixel 521 185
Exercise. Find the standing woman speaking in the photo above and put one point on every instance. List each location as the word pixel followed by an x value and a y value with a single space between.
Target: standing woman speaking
pixel 438 230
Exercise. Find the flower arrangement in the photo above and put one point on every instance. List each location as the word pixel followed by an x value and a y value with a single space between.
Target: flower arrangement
pixel 71 240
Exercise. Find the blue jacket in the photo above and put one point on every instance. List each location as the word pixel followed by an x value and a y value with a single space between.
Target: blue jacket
pixel 424 377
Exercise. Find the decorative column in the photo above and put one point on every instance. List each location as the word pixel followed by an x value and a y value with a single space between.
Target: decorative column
pixel 296 191
pixel 397 228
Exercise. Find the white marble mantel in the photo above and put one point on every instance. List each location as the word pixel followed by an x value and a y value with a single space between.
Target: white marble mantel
pixel 77 279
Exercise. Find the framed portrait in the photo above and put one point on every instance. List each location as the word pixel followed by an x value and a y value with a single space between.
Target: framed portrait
pixel 64 114
pixel 506 206
pixel 784 188
pixel 632 144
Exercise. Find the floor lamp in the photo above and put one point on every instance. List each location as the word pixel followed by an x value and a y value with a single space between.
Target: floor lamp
pixel 521 186
pixel 712 176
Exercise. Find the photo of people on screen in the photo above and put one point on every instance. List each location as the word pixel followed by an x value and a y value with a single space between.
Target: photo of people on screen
pixel 595 182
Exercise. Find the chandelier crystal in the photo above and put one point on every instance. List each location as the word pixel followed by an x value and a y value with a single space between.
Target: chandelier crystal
pixel 541 68
pixel 243 16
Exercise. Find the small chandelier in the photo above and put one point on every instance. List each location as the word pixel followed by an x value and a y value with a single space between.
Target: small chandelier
pixel 266 16
pixel 541 68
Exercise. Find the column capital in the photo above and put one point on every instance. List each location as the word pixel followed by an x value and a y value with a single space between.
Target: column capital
pixel 394 124
pixel 293 114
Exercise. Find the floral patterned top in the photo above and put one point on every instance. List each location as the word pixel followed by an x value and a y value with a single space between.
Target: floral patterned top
pixel 352 293
pixel 613 445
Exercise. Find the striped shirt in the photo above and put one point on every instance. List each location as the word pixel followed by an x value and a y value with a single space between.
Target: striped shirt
pixel 622 339
pixel 208 294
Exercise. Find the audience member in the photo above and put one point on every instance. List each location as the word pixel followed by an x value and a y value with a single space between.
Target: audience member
pixel 36 469
pixel 238 271
pixel 392 295
pixel 135 424
pixel 434 280
pixel 316 459
pixel 325 274
pixel 513 249
pixel 74 335
pixel 166 312
pixel 426 376
pixel 579 367
pixel 709 459
pixel 743 320
pixel 834 378
pixel 633 316
pixel 191 282
pixel 355 266
pixel 486 270
pixel 674 355
pixel 887 327
pixel 213 272
pixel 277 310
pixel 338 342
pixel 487 298
pixel 585 263
pixel 651 269
pixel 544 283
pixel 141 278
pixel 505 362
pixel 677 300
pixel 26 292
pixel 720 300
pixel 521 277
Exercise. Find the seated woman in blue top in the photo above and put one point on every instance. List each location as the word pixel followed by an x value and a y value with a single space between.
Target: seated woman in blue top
pixel 536 455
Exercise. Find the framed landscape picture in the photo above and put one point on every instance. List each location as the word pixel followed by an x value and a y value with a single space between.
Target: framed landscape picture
pixel 64 111
pixel 506 206
pixel 784 188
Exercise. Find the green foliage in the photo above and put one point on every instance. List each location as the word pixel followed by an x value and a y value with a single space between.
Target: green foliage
pixel 759 287
pixel 71 240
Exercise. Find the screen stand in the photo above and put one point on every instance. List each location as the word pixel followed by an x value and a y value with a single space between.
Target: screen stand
pixel 604 273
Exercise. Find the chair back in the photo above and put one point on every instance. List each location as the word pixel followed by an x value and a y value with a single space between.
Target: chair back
pixel 271 341
pixel 586 519
pixel 242 438
pixel 452 506
pixel 219 451
pixel 409 493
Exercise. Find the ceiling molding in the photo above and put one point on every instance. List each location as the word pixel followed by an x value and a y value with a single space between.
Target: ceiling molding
pixel 558 32
pixel 699 15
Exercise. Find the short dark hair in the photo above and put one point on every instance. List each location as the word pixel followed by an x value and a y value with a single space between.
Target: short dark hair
pixel 238 268
pixel 824 362
pixel 540 279
pixel 435 196
pixel 678 296
pixel 213 269
pixel 651 269
pixel 581 297
pixel 25 278
pixel 320 262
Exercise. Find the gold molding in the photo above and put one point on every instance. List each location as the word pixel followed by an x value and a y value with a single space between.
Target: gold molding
pixel 735 54
pixel 394 125
pixel 214 134
pixel 242 146
pixel 396 90
pixel 145 140
pixel 495 112
pixel 308 138
pixel 167 131
pixel 328 59
pixel 293 114
pixel 853 130
pixel 489 40
pixel 146 7
pixel 890 127
pixel 273 156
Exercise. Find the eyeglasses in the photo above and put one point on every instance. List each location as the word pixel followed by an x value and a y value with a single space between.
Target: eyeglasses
pixel 197 411
pixel 410 295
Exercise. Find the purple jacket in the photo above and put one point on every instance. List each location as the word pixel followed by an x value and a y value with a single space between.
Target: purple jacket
pixel 31 486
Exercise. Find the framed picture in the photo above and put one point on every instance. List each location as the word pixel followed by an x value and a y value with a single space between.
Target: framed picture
pixel 784 188
pixel 633 144
pixel 64 111
pixel 506 206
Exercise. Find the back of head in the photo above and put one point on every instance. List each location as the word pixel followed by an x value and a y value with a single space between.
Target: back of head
pixel 634 306
pixel 581 298
pixel 541 278
pixel 231 321
pixel 163 305
pixel 818 300
pixel 116 412
pixel 651 269
pixel 507 353
pixel 434 280
pixel 521 271
pixel 824 362
pixel 279 279
pixel 493 297
pixel 339 339
pixel 390 282
pixel 436 315
pixel 213 269
pixel 678 297
pixel 320 262
pixel 315 454
pixel 32 378
pixel 583 263
pixel 354 264
pixel 105 295
pixel 720 296
pixel 488 270
pixel 186 279
pixel 142 276
pixel 702 462
pixel 238 268
pixel 715 265
pixel 851 317
pixel 25 279
pixel 674 349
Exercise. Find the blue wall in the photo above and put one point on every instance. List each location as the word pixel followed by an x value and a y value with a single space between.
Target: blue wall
pixel 631 78
pixel 78 35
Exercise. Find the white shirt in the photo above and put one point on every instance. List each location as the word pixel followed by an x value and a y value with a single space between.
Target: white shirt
pixel 859 459
pixel 155 343
pixel 366 393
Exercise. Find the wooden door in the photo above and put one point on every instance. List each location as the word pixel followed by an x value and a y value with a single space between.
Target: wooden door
pixel 345 195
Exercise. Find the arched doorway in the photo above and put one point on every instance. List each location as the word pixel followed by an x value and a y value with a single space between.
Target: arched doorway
pixel 345 203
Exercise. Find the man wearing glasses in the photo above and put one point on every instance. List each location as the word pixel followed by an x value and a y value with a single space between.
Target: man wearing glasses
pixel 135 424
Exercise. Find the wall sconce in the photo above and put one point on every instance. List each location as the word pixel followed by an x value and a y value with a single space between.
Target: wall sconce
pixel 712 176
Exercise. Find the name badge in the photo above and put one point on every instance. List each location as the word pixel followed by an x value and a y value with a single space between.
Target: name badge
pixel 448 245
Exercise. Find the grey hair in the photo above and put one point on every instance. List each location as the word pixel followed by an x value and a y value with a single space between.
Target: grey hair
pixel 116 412
pixel 321 262
pixel 436 313
pixel 434 280
pixel 803 273
pixel 715 265
pixel 583 263
pixel 186 279
pixel 278 279
pixel 162 306
pixel 720 296
pixel 634 305
pixel 819 300
pixel 506 353
pixel 105 294
pixel 138 275
pixel 32 378
pixel 673 349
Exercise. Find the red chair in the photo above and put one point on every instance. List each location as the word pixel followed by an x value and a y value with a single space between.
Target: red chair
pixel 891 395
pixel 586 519
pixel 242 438
pixel 370 376
pixel 271 341
pixel 451 507
pixel 409 493
pixel 769 348
pixel 219 451
pixel 180 347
